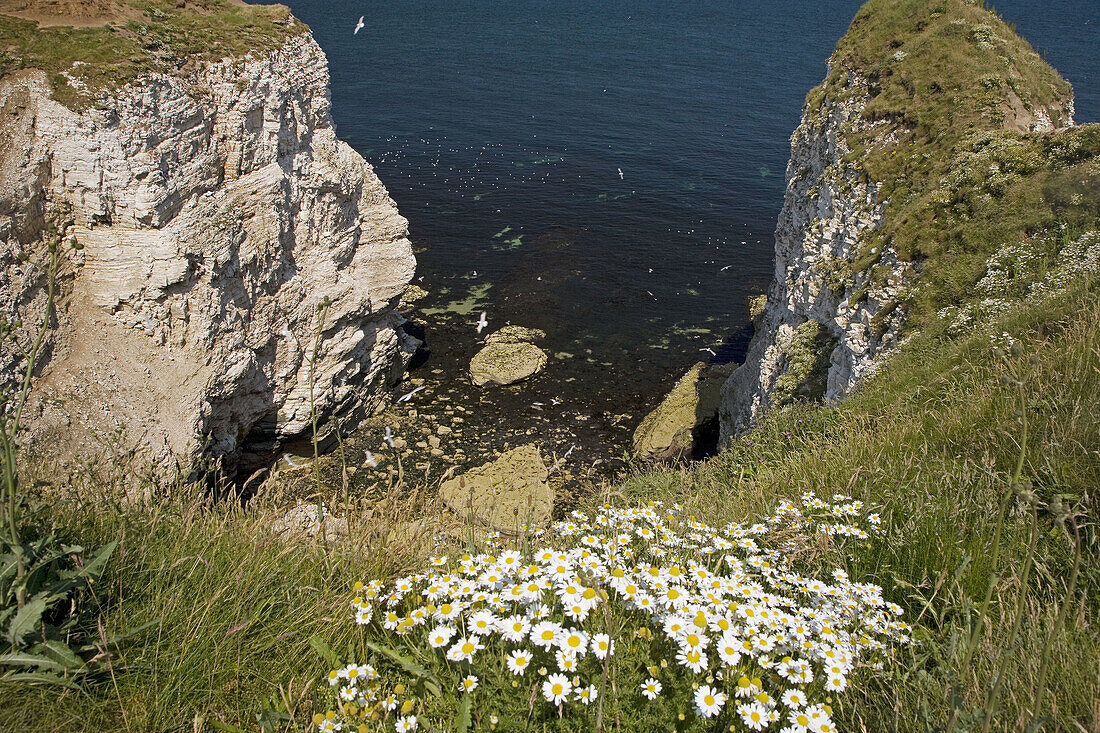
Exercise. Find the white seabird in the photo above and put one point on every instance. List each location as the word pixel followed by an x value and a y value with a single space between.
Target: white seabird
pixel 482 322
pixel 409 396
pixel 359 26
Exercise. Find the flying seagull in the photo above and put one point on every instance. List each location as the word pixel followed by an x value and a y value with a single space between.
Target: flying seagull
pixel 389 437
pixel 359 26
pixel 710 350
pixel 482 322
pixel 409 396
pixel 620 173
pixel 370 459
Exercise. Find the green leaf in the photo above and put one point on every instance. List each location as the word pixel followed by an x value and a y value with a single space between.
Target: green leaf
pixel 463 723
pixel 8 564
pixel 99 559
pixel 43 678
pixel 324 651
pixel 24 659
pixel 62 654
pixel 27 618
pixel 410 666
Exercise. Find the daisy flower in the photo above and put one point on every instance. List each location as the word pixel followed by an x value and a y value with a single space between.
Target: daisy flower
pixel 469 683
pixel 651 688
pixel 518 661
pixel 794 699
pixel 573 641
pixel 514 628
pixel 708 701
pixel 464 649
pixel 556 689
pixel 585 695
pixel 602 646
pixel 544 633
pixel 754 716
pixel 440 636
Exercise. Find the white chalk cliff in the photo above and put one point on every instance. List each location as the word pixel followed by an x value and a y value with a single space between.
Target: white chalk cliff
pixel 827 323
pixel 224 227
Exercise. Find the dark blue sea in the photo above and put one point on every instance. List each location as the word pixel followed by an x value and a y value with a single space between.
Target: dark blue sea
pixel 608 171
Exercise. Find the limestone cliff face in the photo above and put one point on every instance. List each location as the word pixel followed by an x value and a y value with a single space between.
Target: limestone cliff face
pixel 236 256
pixel 810 340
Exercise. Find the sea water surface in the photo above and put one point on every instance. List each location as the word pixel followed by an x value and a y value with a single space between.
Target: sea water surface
pixel 609 171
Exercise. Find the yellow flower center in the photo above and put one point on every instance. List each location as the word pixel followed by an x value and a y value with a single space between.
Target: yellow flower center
pixel 467 648
pixel 547 635
pixel 709 699
pixel 557 689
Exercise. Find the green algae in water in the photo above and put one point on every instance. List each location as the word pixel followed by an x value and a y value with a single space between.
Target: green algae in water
pixel 502 232
pixel 473 300
pixel 509 244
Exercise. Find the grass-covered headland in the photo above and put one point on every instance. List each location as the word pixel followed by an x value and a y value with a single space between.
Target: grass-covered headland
pixel 163 37
pixel 921 556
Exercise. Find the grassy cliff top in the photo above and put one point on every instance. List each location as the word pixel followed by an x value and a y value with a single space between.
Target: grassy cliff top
pixel 955 93
pixel 136 37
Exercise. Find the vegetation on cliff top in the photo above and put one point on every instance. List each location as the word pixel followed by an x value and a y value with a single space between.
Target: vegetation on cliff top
pixel 951 92
pixel 82 62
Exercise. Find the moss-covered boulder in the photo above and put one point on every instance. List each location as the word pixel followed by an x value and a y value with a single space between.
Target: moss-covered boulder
pixel 504 494
pixel 506 363
pixel 684 421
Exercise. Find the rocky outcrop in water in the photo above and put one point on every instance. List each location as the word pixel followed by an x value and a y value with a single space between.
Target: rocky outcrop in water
pixel 684 423
pixel 508 357
pixel 239 267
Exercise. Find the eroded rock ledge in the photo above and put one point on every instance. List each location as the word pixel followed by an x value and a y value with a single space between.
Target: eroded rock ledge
pixel 235 252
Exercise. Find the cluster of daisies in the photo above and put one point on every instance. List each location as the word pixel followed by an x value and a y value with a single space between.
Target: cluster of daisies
pixel 717 615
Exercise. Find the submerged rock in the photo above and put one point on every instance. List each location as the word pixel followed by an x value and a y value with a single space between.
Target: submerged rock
pixel 504 494
pixel 685 420
pixel 506 363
